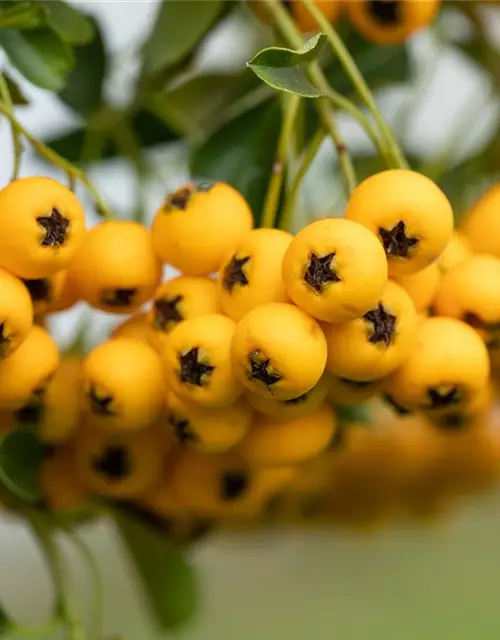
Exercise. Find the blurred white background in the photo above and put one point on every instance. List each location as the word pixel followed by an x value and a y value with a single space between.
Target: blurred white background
pixel 295 586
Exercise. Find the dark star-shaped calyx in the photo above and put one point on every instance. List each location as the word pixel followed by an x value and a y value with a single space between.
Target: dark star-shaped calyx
pixel 113 463
pixel 453 421
pixel 179 199
pixel 40 290
pixel 233 484
pixel 386 12
pixel 192 371
pixel 100 405
pixel 396 243
pixel 260 369
pixel 55 227
pixel 182 429
pixel 234 274
pixel 4 341
pixel 443 396
pixel 118 297
pixel 319 271
pixel 383 325
pixel 166 312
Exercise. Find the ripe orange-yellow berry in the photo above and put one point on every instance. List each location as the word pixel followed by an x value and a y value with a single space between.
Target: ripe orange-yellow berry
pixel 115 268
pixel 335 270
pixel 198 225
pixel 408 212
pixel 42 224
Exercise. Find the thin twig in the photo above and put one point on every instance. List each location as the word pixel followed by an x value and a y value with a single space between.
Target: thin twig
pixel 310 154
pixel 359 83
pixel 16 139
pixel 271 203
pixel 57 160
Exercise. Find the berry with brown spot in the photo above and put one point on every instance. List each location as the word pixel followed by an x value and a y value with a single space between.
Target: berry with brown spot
pixel 335 270
pixel 197 361
pixel 60 488
pixel 251 275
pixel 408 212
pixel 447 366
pixel 42 224
pixel 196 227
pixel 223 485
pixel 115 268
pixel 180 299
pixel 376 344
pixel 279 352
pixel 211 430
pixel 118 464
pixel 16 313
pixel 27 371
pixel 123 385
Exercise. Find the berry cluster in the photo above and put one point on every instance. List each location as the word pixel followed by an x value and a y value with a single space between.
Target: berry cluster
pixel 224 393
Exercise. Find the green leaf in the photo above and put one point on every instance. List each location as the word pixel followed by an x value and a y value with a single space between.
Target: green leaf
pixel 148 129
pixel 20 456
pixel 198 105
pixel 285 69
pixel 69 24
pixel 169 582
pixel 39 55
pixel 241 153
pixel 16 94
pixel 84 85
pixel 21 15
pixel 179 27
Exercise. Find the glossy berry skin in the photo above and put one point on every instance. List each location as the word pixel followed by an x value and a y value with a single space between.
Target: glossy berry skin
pixel 410 215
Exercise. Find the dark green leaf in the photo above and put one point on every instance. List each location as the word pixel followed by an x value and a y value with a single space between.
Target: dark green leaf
pixel 179 27
pixel 148 129
pixel 197 105
pixel 83 89
pixel 285 69
pixel 39 55
pixel 241 153
pixel 17 96
pixel 168 580
pixel 20 456
pixel 21 15
pixel 69 24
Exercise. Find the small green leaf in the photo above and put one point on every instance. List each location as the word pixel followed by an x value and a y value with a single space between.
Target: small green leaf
pixel 242 153
pixel 285 69
pixel 148 129
pixel 17 96
pixel 69 24
pixel 169 582
pixel 179 27
pixel 358 413
pixel 20 456
pixel 39 55
pixel 83 89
